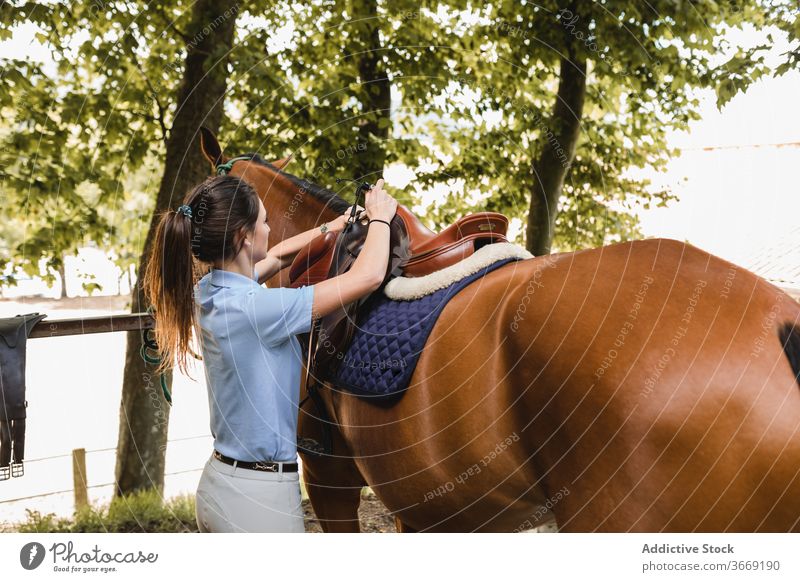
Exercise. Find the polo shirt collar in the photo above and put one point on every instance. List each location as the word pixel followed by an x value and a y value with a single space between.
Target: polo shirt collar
pixel 223 278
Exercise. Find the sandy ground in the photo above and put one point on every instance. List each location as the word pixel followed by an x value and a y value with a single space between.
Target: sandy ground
pixel 374 517
pixel 372 514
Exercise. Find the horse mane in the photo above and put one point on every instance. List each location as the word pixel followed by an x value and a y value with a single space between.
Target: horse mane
pixel 328 197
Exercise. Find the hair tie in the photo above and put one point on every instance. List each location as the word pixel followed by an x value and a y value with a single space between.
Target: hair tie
pixel 185 209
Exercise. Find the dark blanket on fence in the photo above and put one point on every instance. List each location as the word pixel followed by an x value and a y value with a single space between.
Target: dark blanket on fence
pixel 389 338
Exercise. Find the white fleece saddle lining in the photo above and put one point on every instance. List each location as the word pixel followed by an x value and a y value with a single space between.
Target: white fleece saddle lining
pixel 409 288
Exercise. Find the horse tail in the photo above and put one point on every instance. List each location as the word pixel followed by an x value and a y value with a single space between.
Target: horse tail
pixel 789 335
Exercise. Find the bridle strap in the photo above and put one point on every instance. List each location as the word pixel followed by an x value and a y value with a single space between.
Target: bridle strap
pixel 223 169
pixel 361 192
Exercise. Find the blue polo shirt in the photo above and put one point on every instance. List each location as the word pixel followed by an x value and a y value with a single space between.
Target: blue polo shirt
pixel 252 363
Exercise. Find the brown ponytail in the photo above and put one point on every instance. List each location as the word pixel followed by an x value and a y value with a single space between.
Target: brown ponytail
pixel 184 249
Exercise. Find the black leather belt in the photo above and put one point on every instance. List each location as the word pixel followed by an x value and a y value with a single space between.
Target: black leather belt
pixel 268 466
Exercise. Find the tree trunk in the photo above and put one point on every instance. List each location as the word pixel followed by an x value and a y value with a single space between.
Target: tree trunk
pixel 144 414
pixel 62 272
pixel 373 134
pixel 558 142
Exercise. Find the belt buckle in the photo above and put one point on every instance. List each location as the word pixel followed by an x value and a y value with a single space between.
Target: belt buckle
pixel 265 467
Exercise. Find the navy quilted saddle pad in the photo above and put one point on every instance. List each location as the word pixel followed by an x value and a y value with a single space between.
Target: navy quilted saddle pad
pixel 389 338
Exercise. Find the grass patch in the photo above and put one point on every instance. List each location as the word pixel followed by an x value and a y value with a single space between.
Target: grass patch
pixel 143 511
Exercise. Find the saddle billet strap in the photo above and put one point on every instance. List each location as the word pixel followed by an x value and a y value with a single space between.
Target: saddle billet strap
pixel 304 444
pixel 18 438
pixel 14 332
pixel 5 449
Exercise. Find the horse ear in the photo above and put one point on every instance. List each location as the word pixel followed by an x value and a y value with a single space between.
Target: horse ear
pixel 210 147
pixel 283 162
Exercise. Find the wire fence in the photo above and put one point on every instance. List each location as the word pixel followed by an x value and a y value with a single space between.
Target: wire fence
pixel 28 461
pixel 65 455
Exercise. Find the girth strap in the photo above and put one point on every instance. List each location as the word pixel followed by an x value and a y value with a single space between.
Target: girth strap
pixel 305 444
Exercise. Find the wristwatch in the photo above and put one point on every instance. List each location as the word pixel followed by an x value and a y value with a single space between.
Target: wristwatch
pixel 324 228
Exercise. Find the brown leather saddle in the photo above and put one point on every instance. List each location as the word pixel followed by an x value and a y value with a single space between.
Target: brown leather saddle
pixel 14 332
pixel 428 251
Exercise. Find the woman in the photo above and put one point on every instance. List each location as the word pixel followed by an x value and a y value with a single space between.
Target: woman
pixel 247 335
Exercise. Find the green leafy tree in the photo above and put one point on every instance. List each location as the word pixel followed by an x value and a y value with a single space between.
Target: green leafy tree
pixel 747 65
pixel 47 175
pixel 142 82
pixel 584 92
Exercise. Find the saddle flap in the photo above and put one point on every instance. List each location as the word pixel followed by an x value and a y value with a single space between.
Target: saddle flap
pixel 309 261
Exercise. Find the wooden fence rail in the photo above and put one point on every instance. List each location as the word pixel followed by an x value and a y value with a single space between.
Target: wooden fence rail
pixel 86 325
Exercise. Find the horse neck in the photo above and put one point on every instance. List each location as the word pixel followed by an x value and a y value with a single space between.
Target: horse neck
pixel 290 209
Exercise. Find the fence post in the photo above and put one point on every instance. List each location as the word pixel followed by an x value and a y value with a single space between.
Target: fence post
pixel 79 479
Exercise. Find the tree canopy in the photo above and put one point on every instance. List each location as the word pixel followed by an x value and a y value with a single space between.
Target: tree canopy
pixel 466 95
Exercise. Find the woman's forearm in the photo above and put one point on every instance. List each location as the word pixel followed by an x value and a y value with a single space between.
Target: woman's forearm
pixel 286 250
pixel 282 254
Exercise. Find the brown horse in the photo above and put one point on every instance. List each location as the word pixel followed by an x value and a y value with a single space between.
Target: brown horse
pixel 643 386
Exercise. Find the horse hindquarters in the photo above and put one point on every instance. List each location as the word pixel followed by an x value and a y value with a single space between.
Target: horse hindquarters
pixel 661 397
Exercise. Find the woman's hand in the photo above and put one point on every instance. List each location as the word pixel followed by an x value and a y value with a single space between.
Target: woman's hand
pixel 339 222
pixel 380 204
